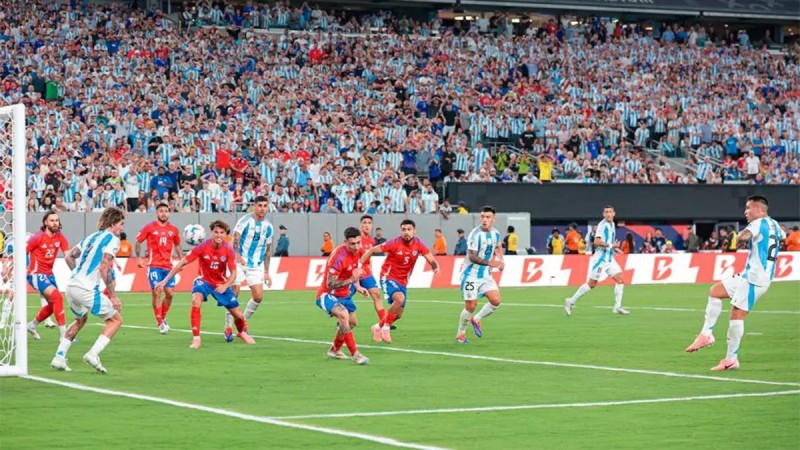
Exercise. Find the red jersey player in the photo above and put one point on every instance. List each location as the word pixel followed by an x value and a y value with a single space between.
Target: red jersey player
pixel 163 239
pixel 335 295
pixel 367 280
pixel 217 263
pixel 42 249
pixel 401 256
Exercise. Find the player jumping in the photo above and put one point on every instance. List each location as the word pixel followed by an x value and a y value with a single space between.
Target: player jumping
pixel 401 256
pixel 743 290
pixel 602 260
pixel 484 246
pixel 216 259
pixel 42 249
pixel 163 239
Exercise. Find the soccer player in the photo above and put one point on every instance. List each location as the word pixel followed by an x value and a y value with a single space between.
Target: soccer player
pixel 401 256
pixel 335 294
pixel 163 239
pixel 602 260
pixel 42 249
pixel 216 259
pixel 367 280
pixel 93 259
pixel 484 250
pixel 743 290
pixel 252 243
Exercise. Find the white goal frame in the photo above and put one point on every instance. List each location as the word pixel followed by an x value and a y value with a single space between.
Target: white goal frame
pixel 19 366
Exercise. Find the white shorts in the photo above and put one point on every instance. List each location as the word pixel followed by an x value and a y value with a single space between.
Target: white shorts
pixel 742 293
pixel 254 277
pixel 473 288
pixel 598 268
pixel 82 300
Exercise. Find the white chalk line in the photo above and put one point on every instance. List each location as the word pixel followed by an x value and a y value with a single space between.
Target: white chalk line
pixel 234 414
pixel 539 406
pixel 502 360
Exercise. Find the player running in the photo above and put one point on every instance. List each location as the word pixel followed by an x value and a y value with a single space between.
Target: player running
pixel 367 280
pixel 401 256
pixel 252 243
pixel 605 245
pixel 42 249
pixel 484 250
pixel 216 259
pixel 163 239
pixel 335 295
pixel 743 290
pixel 93 259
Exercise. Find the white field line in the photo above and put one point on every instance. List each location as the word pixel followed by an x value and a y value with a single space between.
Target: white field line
pixel 234 414
pixel 502 360
pixel 540 406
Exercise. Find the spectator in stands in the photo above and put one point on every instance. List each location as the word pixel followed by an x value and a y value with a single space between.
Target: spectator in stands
pixel 282 247
pixel 555 244
pixel 327 244
pixel 628 245
pixel 439 243
pixel 461 244
pixel 712 243
pixel 668 248
pixel 659 242
pixel 692 242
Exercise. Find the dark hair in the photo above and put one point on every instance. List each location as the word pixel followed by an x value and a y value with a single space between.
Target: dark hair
pixel 408 222
pixel 219 224
pixel 123 236
pixel 44 219
pixel 608 207
pixel 759 199
pixel 510 229
pixel 488 208
pixel 260 198
pixel 365 216
pixel 162 205
pixel 351 232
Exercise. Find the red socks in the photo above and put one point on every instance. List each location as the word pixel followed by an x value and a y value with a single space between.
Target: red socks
pixel 350 340
pixel 389 319
pixel 381 314
pixel 45 312
pixel 338 341
pixel 165 309
pixel 58 308
pixel 158 312
pixel 241 324
pixel 195 319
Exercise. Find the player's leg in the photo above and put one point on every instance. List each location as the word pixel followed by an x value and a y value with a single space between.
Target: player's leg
pixel 53 295
pixel 256 294
pixel 236 287
pixel 720 290
pixel 200 292
pixel 59 361
pixel 154 276
pixel 371 286
pixel 48 322
pixel 34 281
pixel 742 302
pixel 113 322
pixel 487 288
pixel 615 272
pixel 582 290
pixel 397 301
pixel 344 312
pixel 228 301
pixel 166 304
pixel 465 317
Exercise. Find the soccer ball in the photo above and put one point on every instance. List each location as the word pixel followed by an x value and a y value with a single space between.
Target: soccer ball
pixel 194 234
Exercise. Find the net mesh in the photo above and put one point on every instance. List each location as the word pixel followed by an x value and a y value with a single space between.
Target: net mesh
pixel 7 281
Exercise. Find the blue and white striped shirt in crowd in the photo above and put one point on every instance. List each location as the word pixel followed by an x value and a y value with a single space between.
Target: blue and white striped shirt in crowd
pixel 367 198
pixel 204 201
pixel 397 198
pixel 395 159
pixel 414 205
pixel 633 165
pixel 462 162
pixel 267 172
pixel 187 199
pixel 226 201
pixel 348 204
pixel 144 181
pixel 481 155
pixel 703 169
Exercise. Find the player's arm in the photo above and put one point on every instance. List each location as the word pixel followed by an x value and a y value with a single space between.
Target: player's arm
pixel 107 273
pixel 333 282
pixel 267 256
pixel 498 258
pixel 231 278
pixel 432 261
pixel 368 254
pixel 236 250
pixel 137 248
pixel 745 235
pixel 33 241
pixel 71 256
pixel 175 270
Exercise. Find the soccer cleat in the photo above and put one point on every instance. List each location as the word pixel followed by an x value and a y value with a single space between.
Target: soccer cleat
pixel 568 307
pixel 376 333
pixel 163 328
pixel 386 334
pixel 336 354
pixel 360 359
pixel 621 311
pixel 60 363
pixel 32 330
pixel 48 323
pixel 462 338
pixel 476 327
pixel 228 334
pixel 195 342
pixel 246 338
pixel 166 325
pixel 702 341
pixel 94 361
pixel 726 364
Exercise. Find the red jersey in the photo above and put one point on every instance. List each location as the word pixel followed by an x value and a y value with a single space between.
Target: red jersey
pixel 161 240
pixel 341 263
pixel 42 250
pixel 367 242
pixel 401 258
pixel 214 262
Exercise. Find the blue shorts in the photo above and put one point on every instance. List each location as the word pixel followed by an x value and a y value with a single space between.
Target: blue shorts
pixel 227 299
pixel 390 287
pixel 156 275
pixel 368 282
pixel 42 282
pixel 327 302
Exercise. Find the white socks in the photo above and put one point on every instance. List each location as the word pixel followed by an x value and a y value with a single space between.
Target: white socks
pixel 62 330
pixel 580 293
pixel 63 347
pixel 100 344
pixel 618 288
pixel 251 308
pixel 735 333
pixel 463 321
pixel 713 310
pixel 487 310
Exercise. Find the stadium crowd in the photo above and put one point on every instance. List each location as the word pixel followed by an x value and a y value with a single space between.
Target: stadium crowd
pixel 128 108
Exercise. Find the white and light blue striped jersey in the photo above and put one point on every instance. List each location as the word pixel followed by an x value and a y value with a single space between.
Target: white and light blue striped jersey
pixel 607 232
pixel 764 247
pixel 484 244
pixel 93 247
pixel 254 238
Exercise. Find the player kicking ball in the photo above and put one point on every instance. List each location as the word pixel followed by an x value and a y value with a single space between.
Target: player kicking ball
pixel 215 258
pixel 42 249
pixel 602 260
pixel 335 295
pixel 483 254
pixel 744 289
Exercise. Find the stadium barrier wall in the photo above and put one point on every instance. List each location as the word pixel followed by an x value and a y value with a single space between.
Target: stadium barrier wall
pixel 304 230
pixel 299 273
pixel 668 203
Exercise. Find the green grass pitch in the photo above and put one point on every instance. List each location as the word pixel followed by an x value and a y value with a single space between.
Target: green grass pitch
pixel 537 379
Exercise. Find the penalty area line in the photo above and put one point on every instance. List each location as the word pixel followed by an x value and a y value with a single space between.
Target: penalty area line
pixel 234 414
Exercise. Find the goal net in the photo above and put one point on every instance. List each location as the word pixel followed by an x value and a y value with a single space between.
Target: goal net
pixel 13 289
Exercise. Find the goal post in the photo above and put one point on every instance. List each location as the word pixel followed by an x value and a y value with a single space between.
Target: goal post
pixel 13 286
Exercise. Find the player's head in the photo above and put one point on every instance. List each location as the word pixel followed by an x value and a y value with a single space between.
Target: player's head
pixel 162 213
pixel 112 219
pixel 260 206
pixel 756 207
pixel 219 230
pixel 487 217
pixel 352 239
pixel 51 222
pixel 609 213
pixel 366 224
pixel 407 230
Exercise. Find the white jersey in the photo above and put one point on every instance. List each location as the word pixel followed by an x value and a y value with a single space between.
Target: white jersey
pixel 764 246
pixel 607 232
pixel 254 237
pixel 483 243
pixel 93 247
